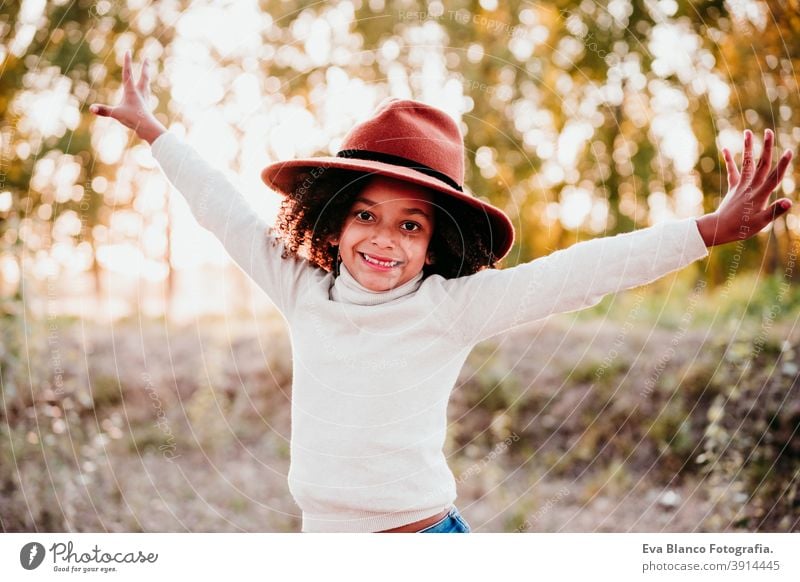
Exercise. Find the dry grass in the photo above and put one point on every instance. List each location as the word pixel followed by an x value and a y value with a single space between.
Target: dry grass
pixel 155 428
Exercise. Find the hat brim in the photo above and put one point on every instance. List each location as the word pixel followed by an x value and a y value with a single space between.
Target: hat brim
pixel 283 177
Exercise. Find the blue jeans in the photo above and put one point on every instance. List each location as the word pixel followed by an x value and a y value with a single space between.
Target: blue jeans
pixel 453 522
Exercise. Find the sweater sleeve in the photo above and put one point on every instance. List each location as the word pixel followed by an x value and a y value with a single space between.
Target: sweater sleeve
pixel 493 301
pixel 219 208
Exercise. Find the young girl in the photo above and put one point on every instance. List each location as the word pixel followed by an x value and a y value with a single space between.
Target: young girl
pixel 400 282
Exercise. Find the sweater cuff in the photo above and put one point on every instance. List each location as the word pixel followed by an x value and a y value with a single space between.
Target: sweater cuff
pixel 696 246
pixel 161 142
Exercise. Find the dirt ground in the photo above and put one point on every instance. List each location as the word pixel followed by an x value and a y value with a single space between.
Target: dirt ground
pixel 189 428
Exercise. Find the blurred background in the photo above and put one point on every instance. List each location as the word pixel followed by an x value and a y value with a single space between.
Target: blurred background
pixel 146 382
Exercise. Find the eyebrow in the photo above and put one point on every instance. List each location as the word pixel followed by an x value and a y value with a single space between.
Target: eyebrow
pixel 406 210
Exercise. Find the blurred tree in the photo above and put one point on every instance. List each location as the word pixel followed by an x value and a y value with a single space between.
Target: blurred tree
pixel 54 61
pixel 580 120
pixel 756 49
pixel 53 55
pixel 584 120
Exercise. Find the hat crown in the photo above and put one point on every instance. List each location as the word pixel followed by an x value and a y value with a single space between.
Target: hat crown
pixel 414 131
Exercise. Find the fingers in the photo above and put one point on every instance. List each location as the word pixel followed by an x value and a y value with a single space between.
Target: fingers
pixel 782 205
pixel 127 80
pixel 733 171
pixel 747 160
pixel 775 210
pixel 100 110
pixel 776 175
pixel 765 162
pixel 144 79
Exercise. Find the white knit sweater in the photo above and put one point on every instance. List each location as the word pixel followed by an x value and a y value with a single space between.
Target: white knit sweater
pixel 373 371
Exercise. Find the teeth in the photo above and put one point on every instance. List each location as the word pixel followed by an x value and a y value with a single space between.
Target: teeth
pixel 377 262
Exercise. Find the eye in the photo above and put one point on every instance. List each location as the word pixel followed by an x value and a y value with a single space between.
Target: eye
pixel 360 214
pixel 414 226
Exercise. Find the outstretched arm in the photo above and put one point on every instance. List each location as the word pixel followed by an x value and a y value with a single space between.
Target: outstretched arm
pixel 493 301
pixel 214 202
pixel 742 213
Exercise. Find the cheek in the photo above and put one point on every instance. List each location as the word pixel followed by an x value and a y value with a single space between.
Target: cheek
pixel 418 248
pixel 350 233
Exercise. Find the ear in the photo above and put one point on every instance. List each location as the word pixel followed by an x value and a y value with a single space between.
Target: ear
pixel 430 259
pixel 333 241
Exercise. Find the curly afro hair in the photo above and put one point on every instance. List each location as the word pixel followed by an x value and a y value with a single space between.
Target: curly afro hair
pixel 316 213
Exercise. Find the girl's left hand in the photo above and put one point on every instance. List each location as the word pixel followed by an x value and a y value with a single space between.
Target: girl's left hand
pixel 742 213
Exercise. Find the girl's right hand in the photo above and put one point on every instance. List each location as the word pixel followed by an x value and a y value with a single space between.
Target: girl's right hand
pixel 132 112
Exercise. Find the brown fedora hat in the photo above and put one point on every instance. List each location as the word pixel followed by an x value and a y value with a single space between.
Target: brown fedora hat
pixel 408 140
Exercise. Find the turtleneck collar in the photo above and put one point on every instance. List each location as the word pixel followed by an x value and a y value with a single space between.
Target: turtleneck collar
pixel 346 289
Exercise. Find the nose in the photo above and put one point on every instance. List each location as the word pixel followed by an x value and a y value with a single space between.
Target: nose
pixel 384 236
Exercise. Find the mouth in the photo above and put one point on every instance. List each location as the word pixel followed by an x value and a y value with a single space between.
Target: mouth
pixel 380 265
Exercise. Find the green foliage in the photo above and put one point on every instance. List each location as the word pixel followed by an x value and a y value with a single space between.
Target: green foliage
pixel 529 73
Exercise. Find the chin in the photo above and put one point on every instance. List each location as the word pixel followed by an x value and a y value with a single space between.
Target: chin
pixel 379 281
pixel 380 285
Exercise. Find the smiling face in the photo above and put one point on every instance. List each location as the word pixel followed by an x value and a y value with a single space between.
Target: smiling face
pixel 385 236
